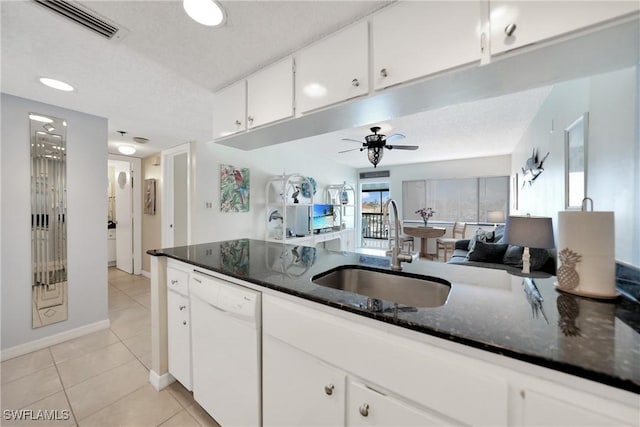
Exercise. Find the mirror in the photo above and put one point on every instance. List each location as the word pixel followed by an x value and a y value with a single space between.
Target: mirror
pixel 575 149
pixel 48 219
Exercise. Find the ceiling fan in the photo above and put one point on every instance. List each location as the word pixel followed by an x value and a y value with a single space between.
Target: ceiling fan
pixel 375 143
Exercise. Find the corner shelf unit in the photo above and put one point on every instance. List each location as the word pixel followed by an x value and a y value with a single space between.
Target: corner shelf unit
pixel 287 220
pixel 343 199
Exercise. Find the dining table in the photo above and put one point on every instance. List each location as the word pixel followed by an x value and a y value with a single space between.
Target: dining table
pixel 425 233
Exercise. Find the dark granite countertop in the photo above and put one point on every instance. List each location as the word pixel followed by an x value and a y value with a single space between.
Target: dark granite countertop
pixel 488 309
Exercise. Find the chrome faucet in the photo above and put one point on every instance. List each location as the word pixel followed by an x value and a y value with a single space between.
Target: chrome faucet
pixel 397 256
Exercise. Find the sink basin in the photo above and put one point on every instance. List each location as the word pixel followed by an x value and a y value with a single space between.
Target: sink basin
pixel 402 288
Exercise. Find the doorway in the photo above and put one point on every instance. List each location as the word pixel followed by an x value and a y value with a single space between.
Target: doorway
pixel 176 197
pixel 124 214
pixel 374 229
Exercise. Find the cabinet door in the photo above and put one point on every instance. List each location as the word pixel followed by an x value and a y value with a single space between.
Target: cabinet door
pixel 177 280
pixel 368 407
pixel 229 110
pixel 417 38
pixel 298 389
pixel 539 20
pixel 270 94
pixel 179 338
pixel 333 70
pixel 541 410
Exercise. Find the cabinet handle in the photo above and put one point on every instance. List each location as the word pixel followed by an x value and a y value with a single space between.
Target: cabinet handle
pixel 328 389
pixel 174 281
pixel 383 72
pixel 182 307
pixel 238 122
pixel 355 83
pixel 184 322
pixel 510 29
pixel 250 120
pixel 364 410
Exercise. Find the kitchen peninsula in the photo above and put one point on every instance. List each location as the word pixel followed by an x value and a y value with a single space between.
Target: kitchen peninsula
pixel 502 350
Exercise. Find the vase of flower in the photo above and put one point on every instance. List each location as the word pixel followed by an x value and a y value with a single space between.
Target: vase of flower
pixel 425 214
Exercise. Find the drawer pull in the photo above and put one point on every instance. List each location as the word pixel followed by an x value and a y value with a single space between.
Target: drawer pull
pixel 328 389
pixel 510 29
pixel 364 410
pixel 182 307
pixel 174 281
pixel 383 72
pixel 184 322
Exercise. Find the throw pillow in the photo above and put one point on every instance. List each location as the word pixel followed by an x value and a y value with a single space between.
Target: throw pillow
pixel 487 252
pixel 498 234
pixel 482 236
pixel 537 257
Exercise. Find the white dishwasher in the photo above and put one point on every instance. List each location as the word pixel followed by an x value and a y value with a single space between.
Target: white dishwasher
pixel 226 344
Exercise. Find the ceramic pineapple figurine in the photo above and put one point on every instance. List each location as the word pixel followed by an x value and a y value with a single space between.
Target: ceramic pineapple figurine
pixel 568 277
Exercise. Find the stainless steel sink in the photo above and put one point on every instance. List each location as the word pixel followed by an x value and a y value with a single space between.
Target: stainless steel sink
pixel 402 288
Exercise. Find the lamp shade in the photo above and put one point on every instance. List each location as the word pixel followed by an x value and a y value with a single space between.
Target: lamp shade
pixel 495 216
pixel 529 231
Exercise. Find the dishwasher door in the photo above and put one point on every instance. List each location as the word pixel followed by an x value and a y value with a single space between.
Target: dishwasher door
pixel 226 342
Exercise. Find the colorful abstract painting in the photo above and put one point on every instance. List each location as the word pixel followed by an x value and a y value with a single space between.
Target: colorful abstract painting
pixel 234 189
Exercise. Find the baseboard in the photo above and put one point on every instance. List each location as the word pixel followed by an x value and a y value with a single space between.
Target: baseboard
pixel 159 382
pixel 146 274
pixel 45 342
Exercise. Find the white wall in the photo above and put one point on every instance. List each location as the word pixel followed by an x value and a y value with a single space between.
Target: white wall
pixel 87 216
pixel 612 102
pixel 212 225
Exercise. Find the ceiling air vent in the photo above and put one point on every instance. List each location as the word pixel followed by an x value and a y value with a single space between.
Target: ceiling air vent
pixel 80 16
pixel 375 174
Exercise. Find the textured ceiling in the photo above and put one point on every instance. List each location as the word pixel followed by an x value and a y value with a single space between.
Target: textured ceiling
pixel 488 127
pixel 156 81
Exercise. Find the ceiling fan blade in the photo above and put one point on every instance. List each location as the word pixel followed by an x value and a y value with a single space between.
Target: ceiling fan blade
pixel 350 139
pixel 395 136
pixel 346 151
pixel 402 147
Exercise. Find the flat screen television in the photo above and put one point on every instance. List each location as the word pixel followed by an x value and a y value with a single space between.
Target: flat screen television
pixel 322 217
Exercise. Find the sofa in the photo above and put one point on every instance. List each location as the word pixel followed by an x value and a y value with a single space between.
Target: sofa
pixel 487 249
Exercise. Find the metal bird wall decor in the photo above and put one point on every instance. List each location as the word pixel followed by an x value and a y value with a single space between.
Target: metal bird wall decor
pixel 533 168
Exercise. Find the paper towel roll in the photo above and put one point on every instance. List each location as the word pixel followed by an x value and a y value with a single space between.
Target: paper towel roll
pixel 586 253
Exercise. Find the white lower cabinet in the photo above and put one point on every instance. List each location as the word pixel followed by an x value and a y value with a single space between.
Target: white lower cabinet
pixel 179 337
pixel 298 389
pixel 367 406
pixel 324 367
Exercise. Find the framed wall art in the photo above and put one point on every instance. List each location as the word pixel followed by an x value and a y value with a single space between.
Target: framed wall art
pixel 235 184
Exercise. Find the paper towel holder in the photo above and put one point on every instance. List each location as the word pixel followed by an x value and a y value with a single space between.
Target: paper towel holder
pixel 586 253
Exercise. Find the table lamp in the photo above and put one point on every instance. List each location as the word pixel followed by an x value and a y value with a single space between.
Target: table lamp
pixel 529 232
pixel 495 217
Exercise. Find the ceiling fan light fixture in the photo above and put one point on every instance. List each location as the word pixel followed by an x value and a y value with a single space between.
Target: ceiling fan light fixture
pixel 205 12
pixel 374 154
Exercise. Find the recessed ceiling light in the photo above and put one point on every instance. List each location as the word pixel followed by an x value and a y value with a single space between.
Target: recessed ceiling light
pixel 205 12
pixel 41 119
pixel 56 84
pixel 127 150
pixel 140 139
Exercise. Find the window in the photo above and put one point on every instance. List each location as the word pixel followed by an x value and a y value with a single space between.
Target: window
pixel 373 200
pixel 468 199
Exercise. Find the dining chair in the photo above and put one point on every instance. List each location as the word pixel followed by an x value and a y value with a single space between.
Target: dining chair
pixel 448 243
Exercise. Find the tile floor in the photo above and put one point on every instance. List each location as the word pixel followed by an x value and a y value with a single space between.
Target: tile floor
pixel 100 379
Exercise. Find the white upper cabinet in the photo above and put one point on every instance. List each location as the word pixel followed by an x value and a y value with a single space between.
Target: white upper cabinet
pixel 229 110
pixel 334 69
pixel 417 38
pixel 270 94
pixel 519 23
